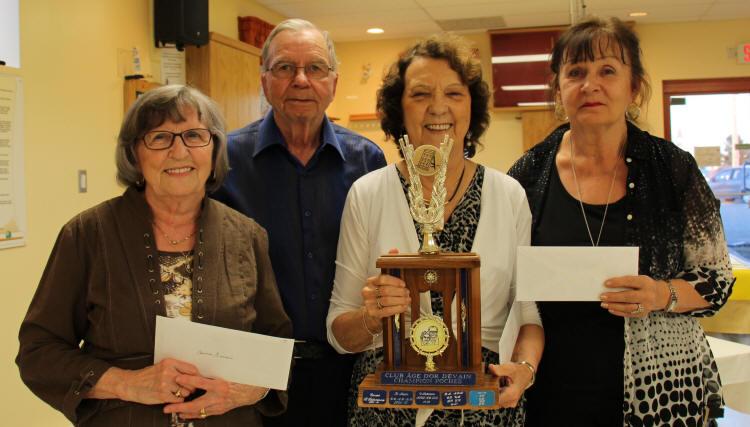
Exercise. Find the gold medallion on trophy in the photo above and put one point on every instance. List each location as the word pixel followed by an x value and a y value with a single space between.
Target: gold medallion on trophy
pixel 427 160
pixel 429 337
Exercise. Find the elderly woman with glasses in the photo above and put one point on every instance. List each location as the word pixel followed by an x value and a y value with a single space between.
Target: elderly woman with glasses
pixel 162 248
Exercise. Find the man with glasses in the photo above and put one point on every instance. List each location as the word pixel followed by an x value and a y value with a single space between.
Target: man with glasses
pixel 291 171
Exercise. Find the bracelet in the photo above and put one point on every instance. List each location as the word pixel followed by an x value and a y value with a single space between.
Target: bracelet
pixel 672 304
pixel 531 369
pixel 364 323
pixel 264 395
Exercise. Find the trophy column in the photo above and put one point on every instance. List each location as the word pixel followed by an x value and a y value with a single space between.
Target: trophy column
pixel 414 341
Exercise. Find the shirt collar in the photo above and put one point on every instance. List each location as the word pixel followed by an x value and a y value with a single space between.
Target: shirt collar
pixel 269 134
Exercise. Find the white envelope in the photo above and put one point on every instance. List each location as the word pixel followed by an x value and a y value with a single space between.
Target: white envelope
pixel 570 273
pixel 236 356
pixel 510 333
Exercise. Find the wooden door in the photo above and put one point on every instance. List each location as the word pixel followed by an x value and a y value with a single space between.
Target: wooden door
pixel 536 125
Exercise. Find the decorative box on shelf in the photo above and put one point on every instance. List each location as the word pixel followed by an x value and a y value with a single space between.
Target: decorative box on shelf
pixel 253 30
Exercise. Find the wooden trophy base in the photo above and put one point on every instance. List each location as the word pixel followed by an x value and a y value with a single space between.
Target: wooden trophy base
pixel 429 390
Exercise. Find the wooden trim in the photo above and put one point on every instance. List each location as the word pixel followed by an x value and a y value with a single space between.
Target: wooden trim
pixel 134 88
pixel 528 30
pixel 522 109
pixel 699 87
pixel 362 117
pixel 228 41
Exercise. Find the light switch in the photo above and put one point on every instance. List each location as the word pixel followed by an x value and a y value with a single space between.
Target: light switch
pixel 83 183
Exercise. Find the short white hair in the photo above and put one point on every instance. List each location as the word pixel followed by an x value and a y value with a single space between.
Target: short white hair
pixel 297 25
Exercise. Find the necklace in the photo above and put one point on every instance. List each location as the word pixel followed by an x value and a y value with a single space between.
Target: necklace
pixel 174 242
pixel 458 184
pixel 580 199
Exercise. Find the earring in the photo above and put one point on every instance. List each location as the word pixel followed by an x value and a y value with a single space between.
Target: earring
pixel 469 147
pixel 560 112
pixel 633 112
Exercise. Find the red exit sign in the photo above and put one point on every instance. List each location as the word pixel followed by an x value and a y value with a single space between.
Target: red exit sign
pixel 743 53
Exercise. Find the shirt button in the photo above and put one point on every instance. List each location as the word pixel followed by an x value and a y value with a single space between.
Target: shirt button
pixel 628 159
pixel 309 255
pixel 631 185
pixel 313 296
pixel 630 217
pixel 308 213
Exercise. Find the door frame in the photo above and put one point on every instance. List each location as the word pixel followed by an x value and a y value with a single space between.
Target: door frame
pixel 699 87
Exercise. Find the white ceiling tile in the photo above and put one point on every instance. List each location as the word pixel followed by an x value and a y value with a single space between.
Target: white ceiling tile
pixel 728 10
pixel 496 9
pixel 348 19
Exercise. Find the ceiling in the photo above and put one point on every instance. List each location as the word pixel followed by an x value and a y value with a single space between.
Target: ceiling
pixel 347 20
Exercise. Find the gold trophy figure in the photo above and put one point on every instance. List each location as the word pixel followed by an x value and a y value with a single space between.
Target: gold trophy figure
pixel 426 363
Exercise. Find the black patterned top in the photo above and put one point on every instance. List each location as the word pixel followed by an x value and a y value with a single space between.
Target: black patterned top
pixel 671 214
pixel 459 230
pixel 176 273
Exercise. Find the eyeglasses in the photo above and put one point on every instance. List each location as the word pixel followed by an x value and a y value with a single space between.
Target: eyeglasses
pixel 313 70
pixel 163 139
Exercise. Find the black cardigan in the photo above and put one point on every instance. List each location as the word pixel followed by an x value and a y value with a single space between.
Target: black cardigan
pixel 674 218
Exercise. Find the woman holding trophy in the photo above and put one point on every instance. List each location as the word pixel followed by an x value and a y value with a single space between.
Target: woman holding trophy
pixel 433 96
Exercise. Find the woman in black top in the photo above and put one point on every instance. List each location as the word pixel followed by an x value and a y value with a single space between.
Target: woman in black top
pixel 600 180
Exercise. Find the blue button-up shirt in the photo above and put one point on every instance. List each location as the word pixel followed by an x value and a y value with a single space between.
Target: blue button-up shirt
pixel 300 207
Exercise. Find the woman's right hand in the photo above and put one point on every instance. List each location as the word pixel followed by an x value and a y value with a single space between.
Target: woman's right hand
pixel 151 385
pixel 384 295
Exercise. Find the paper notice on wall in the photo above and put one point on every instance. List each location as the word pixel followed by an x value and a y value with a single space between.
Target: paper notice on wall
pixel 708 156
pixel 12 196
pixel 172 66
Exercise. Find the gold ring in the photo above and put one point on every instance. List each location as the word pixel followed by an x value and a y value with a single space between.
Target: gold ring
pixel 377 291
pixel 177 393
pixel 377 300
pixel 203 413
pixel 638 309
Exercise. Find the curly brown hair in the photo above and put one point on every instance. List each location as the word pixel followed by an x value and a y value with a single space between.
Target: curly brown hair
pixel 460 56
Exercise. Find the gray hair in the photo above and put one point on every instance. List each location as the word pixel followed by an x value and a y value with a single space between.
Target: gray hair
pixel 154 108
pixel 297 25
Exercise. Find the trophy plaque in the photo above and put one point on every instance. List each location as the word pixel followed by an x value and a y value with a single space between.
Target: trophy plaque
pixel 432 362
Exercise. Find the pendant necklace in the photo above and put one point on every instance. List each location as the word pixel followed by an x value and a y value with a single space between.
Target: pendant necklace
pixel 458 184
pixel 174 242
pixel 580 199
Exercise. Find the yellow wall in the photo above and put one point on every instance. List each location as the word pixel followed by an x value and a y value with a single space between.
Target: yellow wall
pixel 71 56
pixel 671 51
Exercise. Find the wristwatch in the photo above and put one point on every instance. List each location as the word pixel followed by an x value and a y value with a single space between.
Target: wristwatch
pixel 672 304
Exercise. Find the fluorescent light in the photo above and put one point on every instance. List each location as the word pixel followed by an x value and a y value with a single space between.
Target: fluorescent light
pixel 375 30
pixel 511 59
pixel 524 87
pixel 535 104
pixel 637 14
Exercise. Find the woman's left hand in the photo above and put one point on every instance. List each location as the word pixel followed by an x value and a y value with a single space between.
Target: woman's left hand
pixel 642 296
pixel 220 397
pixel 518 378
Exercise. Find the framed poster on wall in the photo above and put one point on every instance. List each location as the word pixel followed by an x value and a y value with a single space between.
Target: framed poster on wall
pixel 12 196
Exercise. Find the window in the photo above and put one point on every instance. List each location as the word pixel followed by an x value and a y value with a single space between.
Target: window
pixel 9 35
pixel 708 117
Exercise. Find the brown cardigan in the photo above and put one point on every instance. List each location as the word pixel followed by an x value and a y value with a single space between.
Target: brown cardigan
pixel 101 289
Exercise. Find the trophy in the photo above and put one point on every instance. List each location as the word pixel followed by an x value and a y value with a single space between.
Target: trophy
pixel 432 361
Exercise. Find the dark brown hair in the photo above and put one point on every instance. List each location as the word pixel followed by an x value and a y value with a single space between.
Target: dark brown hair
pixel 594 37
pixel 461 59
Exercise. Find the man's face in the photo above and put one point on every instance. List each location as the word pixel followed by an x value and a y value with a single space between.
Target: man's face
pixel 298 98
